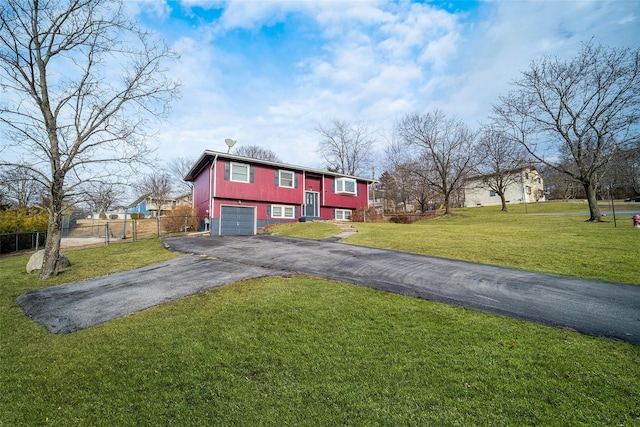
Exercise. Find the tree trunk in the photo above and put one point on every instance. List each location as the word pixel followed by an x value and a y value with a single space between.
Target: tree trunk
pixel 594 211
pixel 54 234
pixel 504 202
pixel 447 205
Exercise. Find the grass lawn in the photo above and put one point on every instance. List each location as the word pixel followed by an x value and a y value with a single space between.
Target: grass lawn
pixel 539 240
pixel 306 230
pixel 300 351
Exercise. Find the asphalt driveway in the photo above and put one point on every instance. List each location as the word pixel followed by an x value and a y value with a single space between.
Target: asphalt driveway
pixel 592 307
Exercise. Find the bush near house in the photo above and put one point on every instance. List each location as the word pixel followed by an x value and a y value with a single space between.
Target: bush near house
pixel 181 219
pixel 366 215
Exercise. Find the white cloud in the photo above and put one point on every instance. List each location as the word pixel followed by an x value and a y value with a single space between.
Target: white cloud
pixel 371 61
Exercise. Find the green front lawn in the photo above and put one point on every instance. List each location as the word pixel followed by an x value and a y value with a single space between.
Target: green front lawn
pixel 301 351
pixel 539 240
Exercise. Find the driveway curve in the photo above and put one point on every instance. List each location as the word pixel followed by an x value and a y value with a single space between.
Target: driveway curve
pixel 591 307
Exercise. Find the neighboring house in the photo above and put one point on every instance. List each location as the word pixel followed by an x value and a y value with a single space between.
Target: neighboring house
pixel 235 195
pixel 157 206
pixel 525 186
pixel 114 213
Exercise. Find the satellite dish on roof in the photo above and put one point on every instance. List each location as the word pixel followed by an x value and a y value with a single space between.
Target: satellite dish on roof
pixel 230 143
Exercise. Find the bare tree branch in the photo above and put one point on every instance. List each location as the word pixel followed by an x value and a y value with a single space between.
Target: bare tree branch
pixel 256 152
pixel 346 148
pixel 500 160
pixel 585 109
pixel 444 149
pixel 83 82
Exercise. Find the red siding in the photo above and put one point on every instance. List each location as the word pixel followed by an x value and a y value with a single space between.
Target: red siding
pixel 263 191
pixel 263 187
pixel 345 201
pixel 201 194
pixel 312 183
pixel 261 208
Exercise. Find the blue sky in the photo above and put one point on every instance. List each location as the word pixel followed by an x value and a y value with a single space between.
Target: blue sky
pixel 268 73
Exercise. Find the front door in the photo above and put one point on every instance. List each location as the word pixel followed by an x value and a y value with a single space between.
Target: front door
pixel 311 200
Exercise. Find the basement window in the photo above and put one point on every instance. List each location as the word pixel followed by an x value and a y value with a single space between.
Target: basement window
pixel 342 214
pixel 282 211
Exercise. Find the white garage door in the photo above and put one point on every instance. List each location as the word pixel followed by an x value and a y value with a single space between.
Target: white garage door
pixel 237 221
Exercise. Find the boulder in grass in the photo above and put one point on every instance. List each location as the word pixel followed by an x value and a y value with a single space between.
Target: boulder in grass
pixel 36 260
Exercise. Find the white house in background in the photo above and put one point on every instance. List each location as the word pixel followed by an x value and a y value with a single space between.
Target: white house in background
pixel 525 186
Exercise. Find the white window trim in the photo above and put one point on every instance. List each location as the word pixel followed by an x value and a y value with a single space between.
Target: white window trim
pixel 283 210
pixel 293 179
pixel 247 167
pixel 342 212
pixel 343 181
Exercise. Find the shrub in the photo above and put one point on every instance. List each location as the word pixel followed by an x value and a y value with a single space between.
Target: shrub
pixel 179 218
pixel 102 215
pixel 363 214
pixel 16 220
pixel 136 215
pixel 113 216
pixel 403 219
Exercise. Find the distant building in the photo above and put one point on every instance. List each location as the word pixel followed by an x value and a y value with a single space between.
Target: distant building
pixel 157 206
pixel 525 186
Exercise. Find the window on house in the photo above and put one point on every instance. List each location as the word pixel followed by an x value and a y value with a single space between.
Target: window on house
pixel 345 186
pixel 526 175
pixel 286 179
pixel 342 214
pixel 528 189
pixel 282 211
pixel 492 193
pixel 239 172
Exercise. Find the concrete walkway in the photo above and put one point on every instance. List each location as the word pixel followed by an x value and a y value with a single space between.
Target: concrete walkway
pixel 592 307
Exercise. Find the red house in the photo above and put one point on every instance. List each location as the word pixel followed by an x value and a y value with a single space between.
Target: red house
pixel 236 195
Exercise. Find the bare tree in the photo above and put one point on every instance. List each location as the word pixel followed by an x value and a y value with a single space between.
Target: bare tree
pixel 102 196
pixel 256 152
pixel 499 162
pixel 623 173
pixel 420 188
pixel 444 148
pixel 588 106
pixel 20 189
pixel 178 169
pixel 346 148
pixel 399 179
pixel 157 185
pixel 81 80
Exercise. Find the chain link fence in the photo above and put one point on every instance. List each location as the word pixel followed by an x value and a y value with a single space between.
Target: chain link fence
pixel 84 232
pixel 15 242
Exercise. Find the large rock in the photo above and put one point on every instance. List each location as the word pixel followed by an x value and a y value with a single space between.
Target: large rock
pixel 36 260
